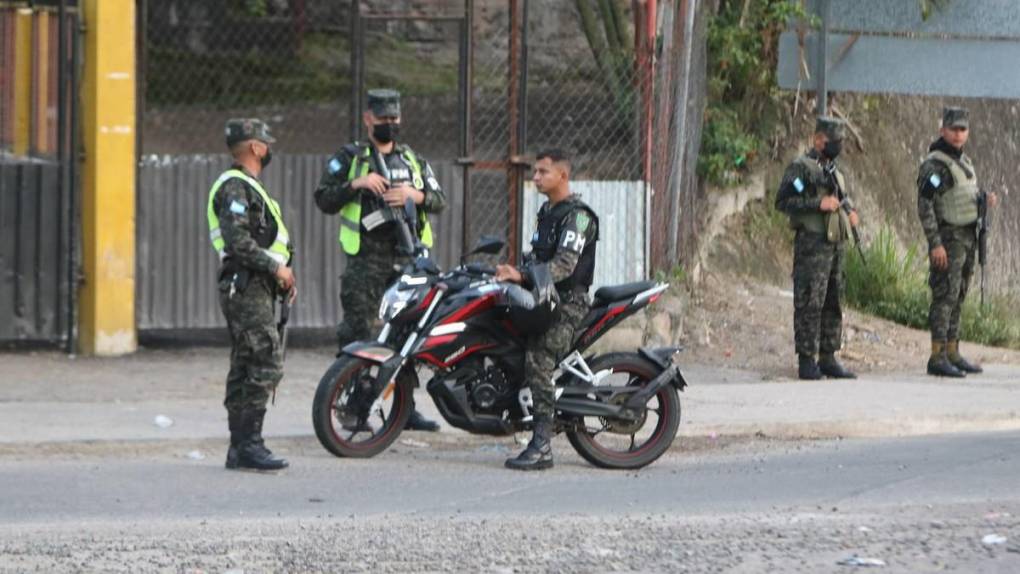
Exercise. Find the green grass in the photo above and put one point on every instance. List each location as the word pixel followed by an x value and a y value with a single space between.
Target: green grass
pixel 893 285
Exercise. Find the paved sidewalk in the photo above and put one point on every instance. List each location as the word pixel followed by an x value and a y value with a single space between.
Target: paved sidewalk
pixel 49 398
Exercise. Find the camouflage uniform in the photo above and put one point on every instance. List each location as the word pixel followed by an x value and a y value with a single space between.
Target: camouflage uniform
pixel 248 292
pixel 819 252
pixel 564 240
pixel 817 264
pixel 947 199
pixel 948 286
pixel 377 263
pixel 247 230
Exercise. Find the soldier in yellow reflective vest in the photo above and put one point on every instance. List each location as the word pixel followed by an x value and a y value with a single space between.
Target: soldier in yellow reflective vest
pixel 247 231
pixel 361 183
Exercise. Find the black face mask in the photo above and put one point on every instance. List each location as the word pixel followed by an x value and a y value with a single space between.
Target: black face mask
pixel 832 149
pixel 266 158
pixel 385 133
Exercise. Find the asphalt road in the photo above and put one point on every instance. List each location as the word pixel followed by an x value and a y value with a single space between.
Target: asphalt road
pixel 918 505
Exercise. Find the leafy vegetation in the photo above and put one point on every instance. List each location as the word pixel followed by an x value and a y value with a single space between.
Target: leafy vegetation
pixel 894 286
pixel 743 100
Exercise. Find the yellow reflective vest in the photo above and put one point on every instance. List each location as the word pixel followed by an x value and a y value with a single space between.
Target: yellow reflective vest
pixel 279 250
pixel 350 213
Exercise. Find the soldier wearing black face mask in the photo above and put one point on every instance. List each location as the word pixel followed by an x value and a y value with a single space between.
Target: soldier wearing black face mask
pixel 362 182
pixel 809 194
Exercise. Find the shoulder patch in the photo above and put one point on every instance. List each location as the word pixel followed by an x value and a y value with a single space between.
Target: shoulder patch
pixel 238 207
pixel 935 180
pixel 798 185
pixel 582 221
pixel 334 166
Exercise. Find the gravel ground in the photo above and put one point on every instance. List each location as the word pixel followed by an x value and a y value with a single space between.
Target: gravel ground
pixel 906 541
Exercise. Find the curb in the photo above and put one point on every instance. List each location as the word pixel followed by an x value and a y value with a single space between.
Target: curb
pixel 699 433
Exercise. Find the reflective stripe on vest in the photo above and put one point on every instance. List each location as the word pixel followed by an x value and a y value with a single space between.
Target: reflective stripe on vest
pixel 350 214
pixel 958 204
pixel 279 251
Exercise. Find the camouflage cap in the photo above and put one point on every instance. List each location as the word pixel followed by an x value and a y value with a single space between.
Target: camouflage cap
pixel 953 117
pixel 833 128
pixel 384 103
pixel 243 129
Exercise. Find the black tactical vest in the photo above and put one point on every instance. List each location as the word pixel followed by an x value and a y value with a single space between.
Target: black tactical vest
pixel 548 236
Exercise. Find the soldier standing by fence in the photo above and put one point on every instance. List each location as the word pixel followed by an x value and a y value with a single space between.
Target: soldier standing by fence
pixel 363 182
pixel 247 231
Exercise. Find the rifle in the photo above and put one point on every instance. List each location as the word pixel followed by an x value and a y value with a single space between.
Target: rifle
pixel 983 228
pixel 395 213
pixel 846 205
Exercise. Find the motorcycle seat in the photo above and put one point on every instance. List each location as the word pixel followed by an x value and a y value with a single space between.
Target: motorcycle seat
pixel 606 295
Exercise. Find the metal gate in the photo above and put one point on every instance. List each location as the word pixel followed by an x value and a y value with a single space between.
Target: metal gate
pixel 38 181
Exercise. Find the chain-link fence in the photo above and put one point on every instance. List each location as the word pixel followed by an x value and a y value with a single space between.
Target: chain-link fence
pixel 485 84
pixel 292 62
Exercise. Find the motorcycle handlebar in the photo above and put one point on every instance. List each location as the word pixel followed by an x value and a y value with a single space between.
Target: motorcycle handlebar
pixel 479 269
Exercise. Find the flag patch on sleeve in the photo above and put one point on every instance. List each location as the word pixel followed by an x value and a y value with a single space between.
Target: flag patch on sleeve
pixel 237 207
pixel 798 185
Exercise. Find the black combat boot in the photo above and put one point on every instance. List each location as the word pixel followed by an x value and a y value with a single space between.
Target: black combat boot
pixel 418 422
pixel 538 454
pixel 807 368
pixel 830 367
pixel 938 363
pixel 234 422
pixel 963 365
pixel 252 453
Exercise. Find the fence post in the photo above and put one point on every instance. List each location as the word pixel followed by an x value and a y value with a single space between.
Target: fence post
pixel 108 184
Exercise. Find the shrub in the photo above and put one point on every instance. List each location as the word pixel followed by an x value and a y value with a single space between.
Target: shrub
pixel 894 286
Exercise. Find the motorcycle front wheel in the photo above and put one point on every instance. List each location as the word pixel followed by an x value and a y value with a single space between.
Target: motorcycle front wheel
pixel 622 444
pixel 348 420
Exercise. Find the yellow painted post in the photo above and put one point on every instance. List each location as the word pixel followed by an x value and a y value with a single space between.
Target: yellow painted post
pixel 22 80
pixel 107 298
pixel 41 83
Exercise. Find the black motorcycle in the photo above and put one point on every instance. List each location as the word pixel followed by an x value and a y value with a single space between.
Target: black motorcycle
pixel 618 410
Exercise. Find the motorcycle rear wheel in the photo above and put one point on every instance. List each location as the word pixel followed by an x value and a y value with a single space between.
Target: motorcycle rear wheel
pixel 346 426
pixel 614 444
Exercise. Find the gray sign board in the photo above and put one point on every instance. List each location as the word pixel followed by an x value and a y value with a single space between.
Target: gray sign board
pixel 920 66
pixel 965 48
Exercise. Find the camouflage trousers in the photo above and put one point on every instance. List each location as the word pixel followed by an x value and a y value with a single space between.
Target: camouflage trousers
pixel 543 352
pixel 366 278
pixel 256 359
pixel 817 291
pixel 949 286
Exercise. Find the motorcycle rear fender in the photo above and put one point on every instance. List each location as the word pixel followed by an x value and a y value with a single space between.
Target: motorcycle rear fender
pixel 663 357
pixel 370 351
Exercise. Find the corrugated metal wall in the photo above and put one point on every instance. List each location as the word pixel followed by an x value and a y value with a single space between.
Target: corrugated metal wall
pixel 620 206
pixel 33 252
pixel 177 266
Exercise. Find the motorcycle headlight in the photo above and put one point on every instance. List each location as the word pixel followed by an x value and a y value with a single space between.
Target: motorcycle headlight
pixel 395 300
